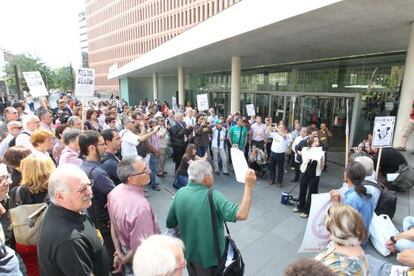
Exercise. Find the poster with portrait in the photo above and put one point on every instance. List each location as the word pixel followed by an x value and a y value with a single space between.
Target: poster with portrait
pixel 316 236
pixel 250 109
pixel 202 102
pixel 35 83
pixel 85 82
pixel 383 131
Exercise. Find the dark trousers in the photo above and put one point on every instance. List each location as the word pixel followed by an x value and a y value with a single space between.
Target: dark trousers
pixel 201 151
pixel 104 227
pixel 195 269
pixel 296 166
pixel 277 160
pixel 178 152
pixel 308 185
pixel 268 147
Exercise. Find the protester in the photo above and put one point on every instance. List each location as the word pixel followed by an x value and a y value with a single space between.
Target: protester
pixel 277 157
pixel 408 129
pixel 237 135
pixel 258 133
pixel 324 136
pixel 256 160
pixel 60 144
pixel 68 241
pixel 36 171
pixel 404 243
pixel 91 122
pixel 218 141
pixel 181 177
pixel 154 152
pixel 356 194
pixel 46 119
pixel 190 210
pixel 297 158
pixel 305 267
pixel 370 181
pixel 110 158
pixel 42 141
pixel 311 169
pixel 75 122
pixel 159 255
pixel 13 157
pixel 92 146
pixel 202 132
pixel 179 138
pixel 70 154
pixel 13 128
pixel 163 139
pixel 30 124
pixel 344 254
pixel 61 113
pixel 132 218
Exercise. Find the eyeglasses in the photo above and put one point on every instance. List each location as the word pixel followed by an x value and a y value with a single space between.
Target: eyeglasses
pixel 100 144
pixel 61 102
pixel 17 127
pixel 4 177
pixel 145 170
pixel 85 187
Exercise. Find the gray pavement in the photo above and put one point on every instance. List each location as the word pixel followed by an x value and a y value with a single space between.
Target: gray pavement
pixel 270 238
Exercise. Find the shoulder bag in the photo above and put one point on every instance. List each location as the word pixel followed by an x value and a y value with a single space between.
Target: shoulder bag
pixel 26 220
pixel 231 263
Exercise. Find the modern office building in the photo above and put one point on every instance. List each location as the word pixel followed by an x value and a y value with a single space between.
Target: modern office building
pixel 293 60
pixel 120 31
pixel 83 39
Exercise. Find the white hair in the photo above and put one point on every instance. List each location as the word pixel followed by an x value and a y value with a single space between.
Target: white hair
pixel 198 170
pixel 367 163
pixel 12 124
pixel 155 256
pixel 28 118
pixel 60 179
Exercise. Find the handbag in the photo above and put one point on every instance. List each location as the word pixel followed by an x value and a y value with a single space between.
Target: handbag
pixel 231 263
pixel 380 230
pixel 26 220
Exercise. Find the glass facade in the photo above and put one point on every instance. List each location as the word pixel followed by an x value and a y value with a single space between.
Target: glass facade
pixel 313 91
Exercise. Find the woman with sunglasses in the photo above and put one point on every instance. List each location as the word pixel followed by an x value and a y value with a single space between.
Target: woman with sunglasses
pixel 36 170
pixel 344 255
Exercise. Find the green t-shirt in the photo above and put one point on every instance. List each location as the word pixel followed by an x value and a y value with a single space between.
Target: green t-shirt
pixel 234 134
pixel 190 210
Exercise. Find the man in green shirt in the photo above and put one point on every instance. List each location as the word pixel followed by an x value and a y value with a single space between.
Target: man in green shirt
pixel 234 135
pixel 190 211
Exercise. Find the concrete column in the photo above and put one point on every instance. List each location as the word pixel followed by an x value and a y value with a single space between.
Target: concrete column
pixel 235 84
pixel 181 87
pixel 155 85
pixel 407 92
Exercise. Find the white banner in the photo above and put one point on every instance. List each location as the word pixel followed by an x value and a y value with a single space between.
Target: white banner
pixel 202 102
pixel 239 164
pixel 35 83
pixel 383 132
pixel 250 109
pixel 316 236
pixel 85 82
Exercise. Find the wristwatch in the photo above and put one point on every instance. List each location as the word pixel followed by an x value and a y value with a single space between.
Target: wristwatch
pixel 392 239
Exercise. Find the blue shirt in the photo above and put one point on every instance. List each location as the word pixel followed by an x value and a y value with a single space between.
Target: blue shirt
pixel 362 204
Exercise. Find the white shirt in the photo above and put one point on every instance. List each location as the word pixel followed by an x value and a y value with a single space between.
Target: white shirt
pixel 4 145
pixel 280 143
pixel 189 121
pixel 222 137
pixel 23 139
pixel 129 143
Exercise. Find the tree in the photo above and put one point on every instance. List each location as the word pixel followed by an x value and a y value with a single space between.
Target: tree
pixel 26 63
pixel 63 79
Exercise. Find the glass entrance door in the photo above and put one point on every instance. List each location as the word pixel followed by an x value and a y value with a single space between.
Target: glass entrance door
pixel 277 111
pixel 262 105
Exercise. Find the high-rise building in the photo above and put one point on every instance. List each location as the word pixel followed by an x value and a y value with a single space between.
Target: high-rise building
pixel 83 39
pixel 120 31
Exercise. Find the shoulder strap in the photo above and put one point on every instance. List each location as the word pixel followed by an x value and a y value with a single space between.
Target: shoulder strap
pixel 214 224
pixel 241 133
pixel 17 196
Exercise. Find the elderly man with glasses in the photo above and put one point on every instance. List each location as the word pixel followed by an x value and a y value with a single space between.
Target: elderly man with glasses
pixel 69 244
pixel 132 218
pixel 30 124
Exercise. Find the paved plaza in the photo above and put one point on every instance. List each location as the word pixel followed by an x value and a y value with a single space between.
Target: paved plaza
pixel 270 238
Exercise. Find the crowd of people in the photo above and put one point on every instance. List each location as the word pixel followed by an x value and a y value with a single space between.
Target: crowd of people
pixel 90 166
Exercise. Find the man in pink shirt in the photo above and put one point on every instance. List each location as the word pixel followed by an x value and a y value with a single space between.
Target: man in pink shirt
pixel 132 218
pixel 70 154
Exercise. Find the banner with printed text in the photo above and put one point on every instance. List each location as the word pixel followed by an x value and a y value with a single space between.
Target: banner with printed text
pixel 85 82
pixel 35 83
pixel 383 132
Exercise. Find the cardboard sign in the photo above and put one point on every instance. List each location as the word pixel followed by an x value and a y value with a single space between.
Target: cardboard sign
pixel 35 83
pixel 250 109
pixel 383 132
pixel 85 82
pixel 239 164
pixel 202 102
pixel 316 236
pixel 174 104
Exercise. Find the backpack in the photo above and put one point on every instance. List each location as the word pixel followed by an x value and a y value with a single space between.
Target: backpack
pixel 387 201
pixel 12 143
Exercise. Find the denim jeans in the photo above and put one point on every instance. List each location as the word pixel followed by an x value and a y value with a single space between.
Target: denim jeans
pixel 154 167
pixel 201 151
pixel 403 244
pixel 180 181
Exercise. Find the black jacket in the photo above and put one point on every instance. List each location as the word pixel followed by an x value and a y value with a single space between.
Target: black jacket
pixel 109 163
pixel 177 133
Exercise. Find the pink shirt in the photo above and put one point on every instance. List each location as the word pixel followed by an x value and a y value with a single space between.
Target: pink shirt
pixel 131 215
pixel 70 156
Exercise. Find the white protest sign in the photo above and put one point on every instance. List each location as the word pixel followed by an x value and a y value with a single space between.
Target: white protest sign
pixel 383 131
pixel 35 83
pixel 174 103
pixel 202 102
pixel 85 82
pixel 239 164
pixel 250 109
pixel 316 236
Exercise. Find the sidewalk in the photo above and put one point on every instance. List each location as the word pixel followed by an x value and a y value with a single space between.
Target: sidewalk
pixel 270 237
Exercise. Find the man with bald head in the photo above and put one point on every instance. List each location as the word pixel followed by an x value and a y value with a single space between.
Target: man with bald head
pixel 68 242
pixel 132 218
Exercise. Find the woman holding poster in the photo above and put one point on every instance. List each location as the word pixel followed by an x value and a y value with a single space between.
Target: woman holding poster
pixel 311 168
